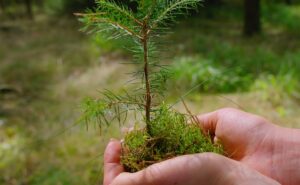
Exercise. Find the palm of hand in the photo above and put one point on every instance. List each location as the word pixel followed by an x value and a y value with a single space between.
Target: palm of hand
pixel 253 141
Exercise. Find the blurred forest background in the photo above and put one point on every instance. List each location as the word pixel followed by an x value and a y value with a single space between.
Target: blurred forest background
pixel 244 53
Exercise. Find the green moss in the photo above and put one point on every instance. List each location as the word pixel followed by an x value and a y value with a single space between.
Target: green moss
pixel 170 136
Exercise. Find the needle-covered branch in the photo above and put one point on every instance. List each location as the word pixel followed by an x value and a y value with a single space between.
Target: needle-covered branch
pixel 143 27
pixel 169 9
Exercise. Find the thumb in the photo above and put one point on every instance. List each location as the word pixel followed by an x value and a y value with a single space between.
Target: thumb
pixel 112 166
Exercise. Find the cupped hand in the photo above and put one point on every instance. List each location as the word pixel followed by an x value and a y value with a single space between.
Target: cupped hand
pixel 197 169
pixel 274 151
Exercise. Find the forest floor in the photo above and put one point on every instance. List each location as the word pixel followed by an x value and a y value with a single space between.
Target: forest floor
pixel 53 67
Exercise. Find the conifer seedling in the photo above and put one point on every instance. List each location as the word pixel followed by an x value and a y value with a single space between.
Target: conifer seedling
pixel 166 133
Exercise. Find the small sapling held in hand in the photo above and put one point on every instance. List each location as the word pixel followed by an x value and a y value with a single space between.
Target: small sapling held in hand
pixel 166 133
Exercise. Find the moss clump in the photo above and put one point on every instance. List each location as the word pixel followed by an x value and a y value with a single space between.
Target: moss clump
pixel 169 136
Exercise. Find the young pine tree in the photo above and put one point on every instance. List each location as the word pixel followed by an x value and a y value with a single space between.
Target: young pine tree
pixel 166 133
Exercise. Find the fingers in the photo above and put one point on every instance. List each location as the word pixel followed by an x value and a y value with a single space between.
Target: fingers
pixel 189 169
pixel 197 169
pixel 112 166
pixel 240 133
pixel 208 122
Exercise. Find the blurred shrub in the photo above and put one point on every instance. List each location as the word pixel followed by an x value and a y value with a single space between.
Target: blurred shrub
pixel 276 88
pixel 243 55
pixel 192 72
pixel 282 15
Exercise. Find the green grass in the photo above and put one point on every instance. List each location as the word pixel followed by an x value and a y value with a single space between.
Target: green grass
pixel 54 175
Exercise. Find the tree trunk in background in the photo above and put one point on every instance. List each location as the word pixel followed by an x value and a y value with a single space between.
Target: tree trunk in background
pixel 252 24
pixel 2 6
pixel 28 4
pixel 288 2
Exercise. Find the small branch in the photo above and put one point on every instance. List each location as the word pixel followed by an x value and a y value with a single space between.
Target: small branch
pixel 128 30
pixel 103 20
pixel 103 13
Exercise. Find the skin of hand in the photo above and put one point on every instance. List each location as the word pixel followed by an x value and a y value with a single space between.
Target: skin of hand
pixel 248 139
pixel 197 169
pixel 272 150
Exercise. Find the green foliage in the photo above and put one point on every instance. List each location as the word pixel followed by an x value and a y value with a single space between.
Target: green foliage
pixel 285 15
pixel 170 137
pixel 208 77
pixel 110 17
pixel 92 109
pixel 276 89
pixel 234 64
pixel 212 76
pixel 109 108
pixel 143 28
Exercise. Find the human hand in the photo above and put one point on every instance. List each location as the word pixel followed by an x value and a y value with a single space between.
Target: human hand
pixel 197 169
pixel 274 151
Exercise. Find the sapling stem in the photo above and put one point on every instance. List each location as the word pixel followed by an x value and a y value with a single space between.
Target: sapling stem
pixel 144 41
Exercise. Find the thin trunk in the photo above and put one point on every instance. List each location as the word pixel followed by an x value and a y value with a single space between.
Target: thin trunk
pixel 2 6
pixel 146 73
pixel 252 24
pixel 28 4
